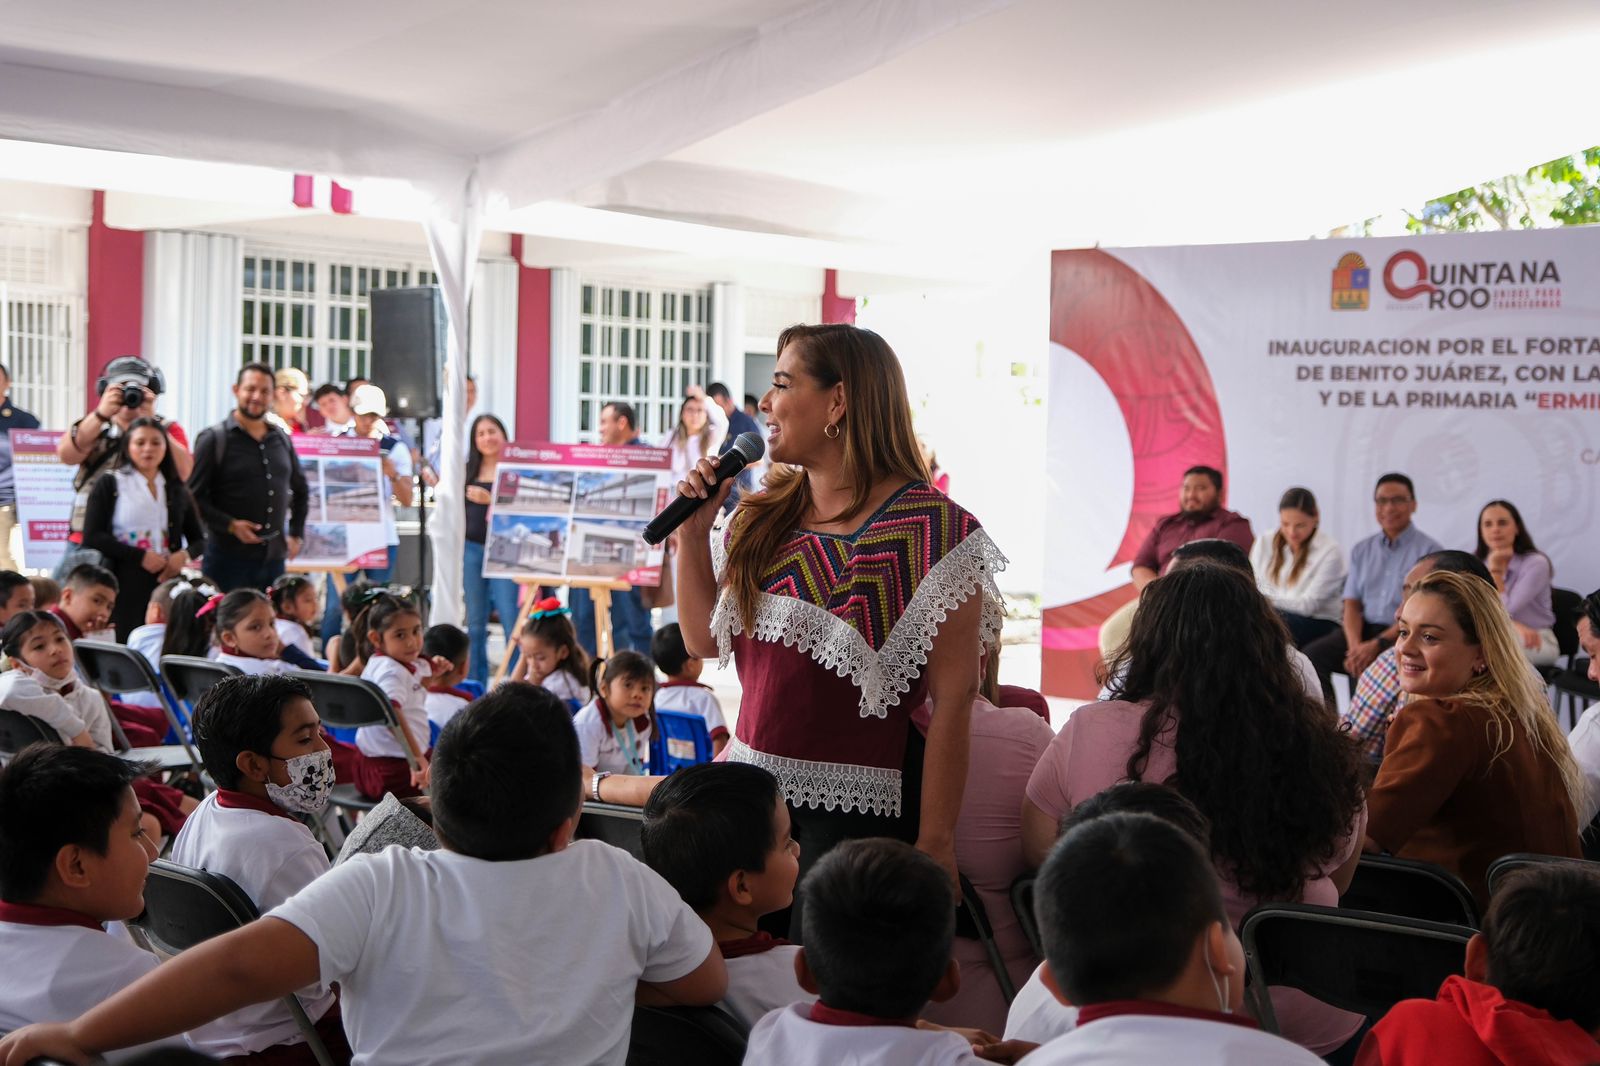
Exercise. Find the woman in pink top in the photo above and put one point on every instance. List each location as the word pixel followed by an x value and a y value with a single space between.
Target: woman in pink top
pixel 1212 706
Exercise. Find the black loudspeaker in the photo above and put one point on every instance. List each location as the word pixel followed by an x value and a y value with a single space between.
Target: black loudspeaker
pixel 408 347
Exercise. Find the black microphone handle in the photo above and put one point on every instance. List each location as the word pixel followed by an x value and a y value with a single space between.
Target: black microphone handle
pixel 678 511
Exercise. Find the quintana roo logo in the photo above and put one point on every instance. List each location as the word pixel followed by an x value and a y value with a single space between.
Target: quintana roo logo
pixel 1352 283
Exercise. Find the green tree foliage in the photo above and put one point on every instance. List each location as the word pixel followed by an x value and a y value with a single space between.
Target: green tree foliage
pixel 1562 192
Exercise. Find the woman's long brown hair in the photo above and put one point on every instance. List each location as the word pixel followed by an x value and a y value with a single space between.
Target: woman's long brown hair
pixel 879 444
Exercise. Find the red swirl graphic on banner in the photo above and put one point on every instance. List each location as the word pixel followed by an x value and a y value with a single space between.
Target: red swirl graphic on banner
pixel 1423 284
pixel 1117 322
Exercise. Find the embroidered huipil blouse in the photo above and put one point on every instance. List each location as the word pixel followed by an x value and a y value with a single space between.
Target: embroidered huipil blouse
pixel 832 665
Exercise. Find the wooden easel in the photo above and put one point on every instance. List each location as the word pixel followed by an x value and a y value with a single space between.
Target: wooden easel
pixel 339 574
pixel 600 590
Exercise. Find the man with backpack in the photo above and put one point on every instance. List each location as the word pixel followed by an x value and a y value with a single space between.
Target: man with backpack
pixel 250 489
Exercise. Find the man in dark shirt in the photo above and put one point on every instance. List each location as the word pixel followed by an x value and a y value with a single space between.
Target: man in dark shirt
pixel 250 489
pixel 11 417
pixel 1200 516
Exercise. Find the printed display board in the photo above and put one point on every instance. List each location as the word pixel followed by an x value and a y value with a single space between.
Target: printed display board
pixel 563 511
pixel 44 496
pixel 345 520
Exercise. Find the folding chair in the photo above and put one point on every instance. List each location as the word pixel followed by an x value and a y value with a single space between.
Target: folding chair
pixel 972 923
pixel 116 669
pixel 353 703
pixel 613 823
pixel 1022 904
pixel 184 907
pixel 686 1036
pixel 1353 960
pixel 1574 691
pixel 684 741
pixel 1522 860
pixel 189 676
pixel 1411 889
pixel 18 730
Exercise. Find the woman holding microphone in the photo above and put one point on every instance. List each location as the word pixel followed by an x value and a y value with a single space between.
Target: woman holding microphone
pixel 847 593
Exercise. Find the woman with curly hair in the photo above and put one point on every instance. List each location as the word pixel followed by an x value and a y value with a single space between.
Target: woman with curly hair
pixel 1475 766
pixel 1206 700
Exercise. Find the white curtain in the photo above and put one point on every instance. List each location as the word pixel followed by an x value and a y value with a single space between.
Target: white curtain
pixel 565 311
pixel 455 229
pixel 494 340
pixel 193 286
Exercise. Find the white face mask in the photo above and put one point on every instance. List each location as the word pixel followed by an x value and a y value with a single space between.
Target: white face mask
pixel 46 682
pixel 310 783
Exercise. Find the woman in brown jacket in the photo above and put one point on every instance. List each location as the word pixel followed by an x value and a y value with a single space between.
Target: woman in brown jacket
pixel 1475 766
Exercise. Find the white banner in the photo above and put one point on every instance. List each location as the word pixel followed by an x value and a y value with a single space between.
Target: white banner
pixel 1469 362
pixel 44 496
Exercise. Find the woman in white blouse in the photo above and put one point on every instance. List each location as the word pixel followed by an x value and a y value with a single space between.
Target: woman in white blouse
pixel 141 517
pixel 698 434
pixel 1300 569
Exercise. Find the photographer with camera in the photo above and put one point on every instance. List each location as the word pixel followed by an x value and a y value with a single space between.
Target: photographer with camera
pixel 128 389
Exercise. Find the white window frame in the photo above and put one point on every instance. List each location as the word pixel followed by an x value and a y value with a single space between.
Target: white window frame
pixel 44 318
pixel 331 337
pixel 653 373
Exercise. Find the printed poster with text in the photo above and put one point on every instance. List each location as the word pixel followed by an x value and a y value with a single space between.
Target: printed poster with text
pixel 1470 362
pixel 44 496
pixel 563 511
pixel 346 522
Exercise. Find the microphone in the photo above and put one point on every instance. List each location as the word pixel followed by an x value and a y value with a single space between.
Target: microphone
pixel 747 448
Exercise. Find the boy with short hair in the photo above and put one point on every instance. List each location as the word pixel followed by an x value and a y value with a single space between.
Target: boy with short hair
pixel 720 834
pixel 87 597
pixel 73 856
pixel 682 691
pixel 1532 987
pixel 452 955
pixel 445 647
pixel 46 592
pixel 1136 936
pixel 261 741
pixel 16 595
pixel 878 918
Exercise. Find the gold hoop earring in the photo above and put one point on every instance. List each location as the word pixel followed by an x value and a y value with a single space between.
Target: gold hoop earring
pixel 833 426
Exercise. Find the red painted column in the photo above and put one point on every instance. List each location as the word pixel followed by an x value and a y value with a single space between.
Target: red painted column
pixel 835 308
pixel 533 348
pixel 116 293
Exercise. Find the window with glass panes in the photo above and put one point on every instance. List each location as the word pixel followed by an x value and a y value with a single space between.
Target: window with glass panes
pixel 313 311
pixel 644 344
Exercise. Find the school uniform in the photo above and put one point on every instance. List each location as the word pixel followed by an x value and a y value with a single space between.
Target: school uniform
pixel 693 698
pixel 270 856
pixel 383 766
pixel 443 706
pixel 817 1035
pixel 1474 1024
pixel 294 635
pixel 249 664
pixel 446 958
pixel 606 747
pixel 1036 1015
pixel 147 641
pixel 59 963
pixel 61 707
pixel 569 688
pixel 1143 1031
pixel 761 977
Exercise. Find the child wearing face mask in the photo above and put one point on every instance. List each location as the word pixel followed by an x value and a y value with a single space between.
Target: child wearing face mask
pixel 261 741
pixel 247 632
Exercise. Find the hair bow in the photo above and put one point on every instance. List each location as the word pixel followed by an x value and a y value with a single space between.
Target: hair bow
pixel 548 608
pixel 211 605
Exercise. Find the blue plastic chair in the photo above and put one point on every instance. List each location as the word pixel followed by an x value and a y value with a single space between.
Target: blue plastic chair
pixel 682 740
pixel 471 688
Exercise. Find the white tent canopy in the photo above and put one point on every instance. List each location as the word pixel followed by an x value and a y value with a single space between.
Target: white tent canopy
pixel 917 135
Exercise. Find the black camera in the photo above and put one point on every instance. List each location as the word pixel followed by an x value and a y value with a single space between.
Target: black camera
pixel 132 396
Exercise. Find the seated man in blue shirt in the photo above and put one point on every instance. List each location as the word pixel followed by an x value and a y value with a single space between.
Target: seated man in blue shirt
pixel 1372 592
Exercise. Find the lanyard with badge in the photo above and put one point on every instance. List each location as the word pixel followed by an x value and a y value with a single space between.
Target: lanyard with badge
pixel 628 739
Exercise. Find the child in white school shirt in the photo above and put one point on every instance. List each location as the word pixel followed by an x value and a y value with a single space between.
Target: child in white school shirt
pixel 1136 935
pixel 73 859
pixel 261 741
pixel 488 971
pixel 878 918
pixel 616 728
pixel 445 647
pixel 682 691
pixel 247 633
pixel 720 834
pixel 390 628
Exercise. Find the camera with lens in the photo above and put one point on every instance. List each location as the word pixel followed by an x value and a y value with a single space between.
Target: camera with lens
pixel 132 396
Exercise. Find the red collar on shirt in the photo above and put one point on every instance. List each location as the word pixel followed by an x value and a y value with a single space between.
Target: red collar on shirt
pixel 750 945
pixel 409 666
pixel 1153 1008
pixel 826 1015
pixel 669 683
pixel 28 914
pixel 73 632
pixel 461 694
pixel 243 801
